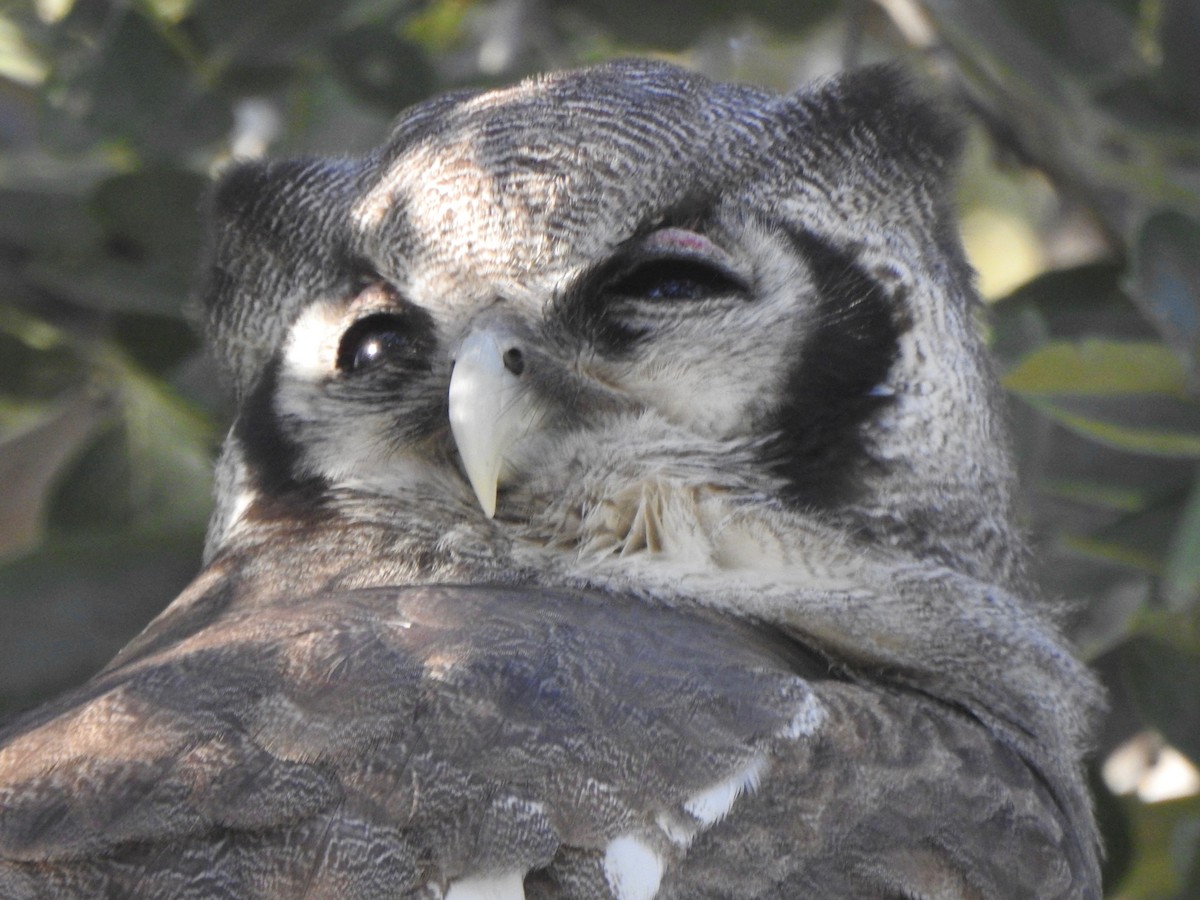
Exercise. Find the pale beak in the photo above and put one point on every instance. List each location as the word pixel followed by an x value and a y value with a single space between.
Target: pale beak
pixel 490 409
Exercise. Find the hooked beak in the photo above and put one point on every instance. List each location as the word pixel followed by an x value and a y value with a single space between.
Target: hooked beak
pixel 490 409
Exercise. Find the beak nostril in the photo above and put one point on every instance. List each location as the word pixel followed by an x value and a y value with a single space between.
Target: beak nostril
pixel 514 360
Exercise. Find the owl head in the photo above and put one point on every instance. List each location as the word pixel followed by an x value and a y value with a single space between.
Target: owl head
pixel 625 267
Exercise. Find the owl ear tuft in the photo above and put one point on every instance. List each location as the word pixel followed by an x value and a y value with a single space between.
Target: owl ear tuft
pixel 908 120
pixel 275 231
pixel 890 123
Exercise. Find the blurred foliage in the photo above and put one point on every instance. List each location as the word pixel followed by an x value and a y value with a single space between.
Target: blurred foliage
pixel 1081 206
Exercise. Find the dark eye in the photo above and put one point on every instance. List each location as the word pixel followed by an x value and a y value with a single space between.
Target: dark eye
pixel 675 279
pixel 375 339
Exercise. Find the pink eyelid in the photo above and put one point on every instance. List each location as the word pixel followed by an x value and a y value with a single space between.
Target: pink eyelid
pixel 683 242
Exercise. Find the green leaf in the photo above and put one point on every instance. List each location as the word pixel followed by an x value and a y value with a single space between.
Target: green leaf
pixel 1137 540
pixel 152 470
pixel 1181 580
pixel 54 10
pixel 1103 496
pixel 141 90
pixel 1154 425
pixel 40 220
pixel 1071 304
pixel 153 214
pixel 1112 600
pixel 19 62
pixel 171 446
pixel 100 281
pixel 1179 35
pixel 1159 832
pixel 32 460
pixel 1131 395
pixel 36 362
pixel 378 67
pixel 677 24
pixel 132 248
pixel 157 344
pixel 266 32
pixel 1098 368
pixel 1116 828
pixel 1166 279
pixel 78 599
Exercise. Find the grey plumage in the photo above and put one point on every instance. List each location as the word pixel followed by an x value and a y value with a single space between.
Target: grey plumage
pixel 751 617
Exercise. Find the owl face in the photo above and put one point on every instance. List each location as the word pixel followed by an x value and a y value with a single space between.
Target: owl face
pixel 595 280
pixel 681 336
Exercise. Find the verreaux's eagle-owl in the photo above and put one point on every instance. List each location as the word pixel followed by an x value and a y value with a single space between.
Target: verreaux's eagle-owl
pixel 618 505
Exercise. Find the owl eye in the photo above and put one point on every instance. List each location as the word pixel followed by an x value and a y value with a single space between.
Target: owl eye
pixel 375 339
pixel 675 279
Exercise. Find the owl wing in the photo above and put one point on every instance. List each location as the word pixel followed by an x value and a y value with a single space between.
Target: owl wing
pixel 396 742
pixel 899 795
pixel 449 741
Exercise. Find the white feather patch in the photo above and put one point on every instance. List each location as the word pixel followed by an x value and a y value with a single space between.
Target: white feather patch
pixel 809 716
pixel 714 803
pixel 678 832
pixel 502 886
pixel 241 503
pixel 633 870
pixel 311 347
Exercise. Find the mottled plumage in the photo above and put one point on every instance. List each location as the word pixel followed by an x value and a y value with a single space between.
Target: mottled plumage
pixel 618 506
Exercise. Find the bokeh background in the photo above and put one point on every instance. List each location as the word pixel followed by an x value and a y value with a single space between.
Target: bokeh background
pixel 1080 205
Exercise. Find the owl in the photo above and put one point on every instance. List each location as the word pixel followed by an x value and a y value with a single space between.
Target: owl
pixel 618 505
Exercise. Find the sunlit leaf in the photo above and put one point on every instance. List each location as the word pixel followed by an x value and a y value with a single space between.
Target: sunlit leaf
pixel 439 25
pixel 171 446
pixel 170 11
pixel 1115 508
pixel 50 11
pixel 1106 496
pixel 1129 395
pixel 1098 367
pixel 19 61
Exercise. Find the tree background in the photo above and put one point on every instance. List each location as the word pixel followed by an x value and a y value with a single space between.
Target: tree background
pixel 1080 200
